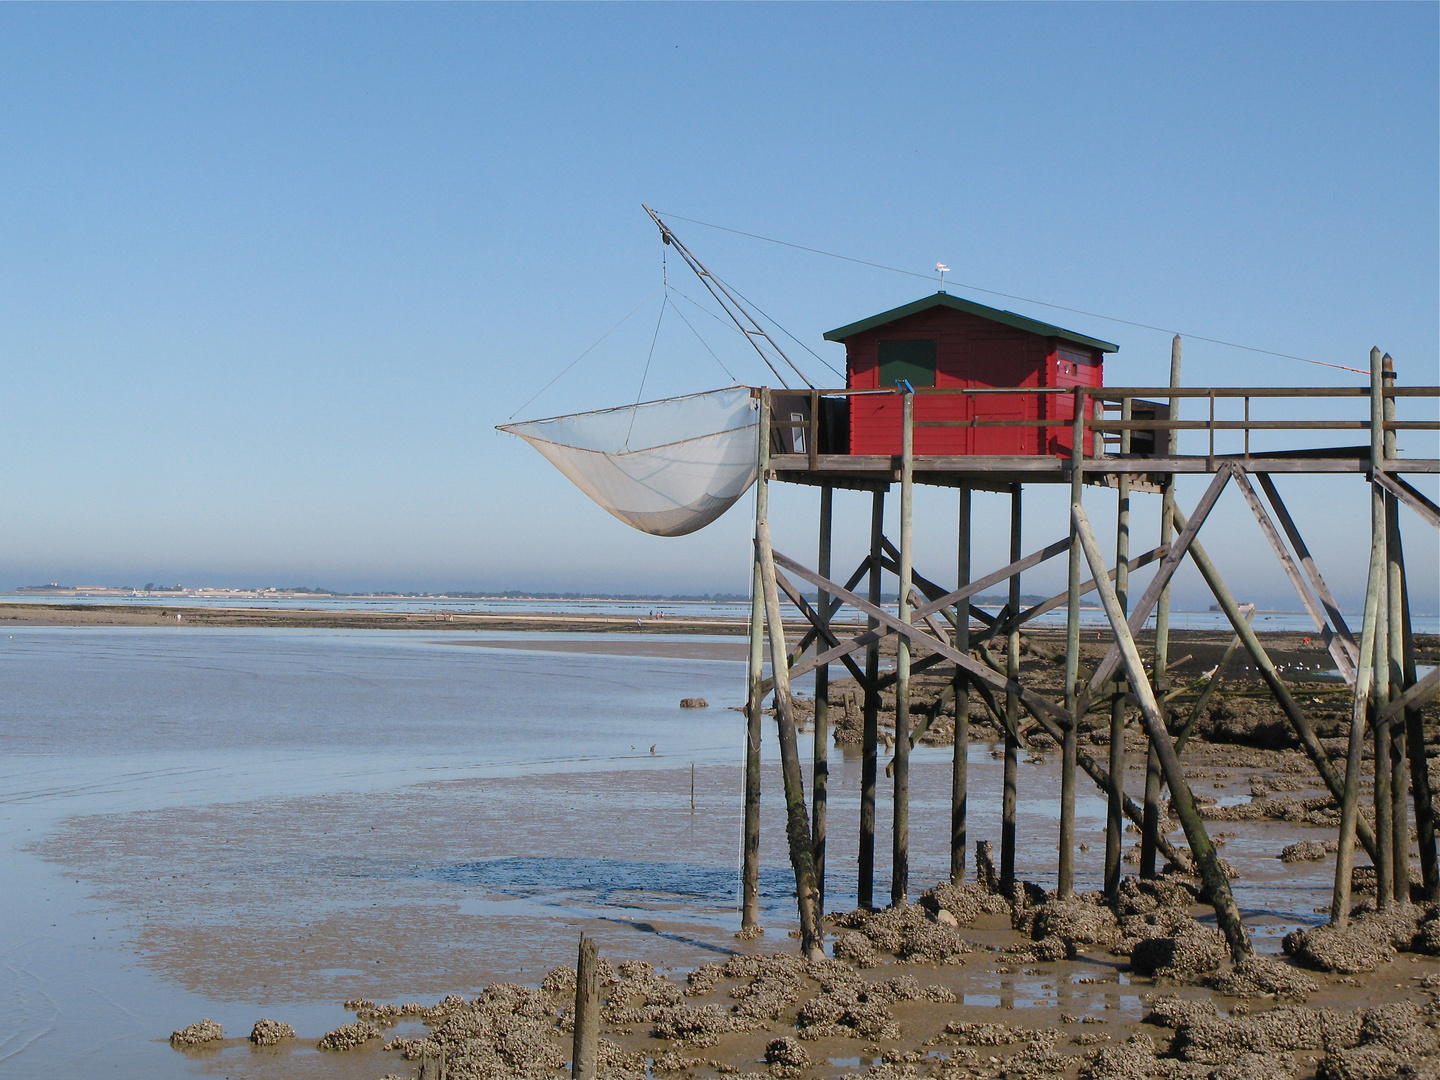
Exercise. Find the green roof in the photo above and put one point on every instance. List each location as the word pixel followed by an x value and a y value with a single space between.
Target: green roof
pixel 941 299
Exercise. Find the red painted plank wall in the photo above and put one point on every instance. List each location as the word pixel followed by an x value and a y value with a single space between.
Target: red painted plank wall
pixel 971 351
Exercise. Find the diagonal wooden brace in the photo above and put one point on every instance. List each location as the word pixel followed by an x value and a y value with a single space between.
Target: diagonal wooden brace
pixel 1106 671
pixel 917 637
pixel 1341 651
pixel 1207 861
pixel 1412 498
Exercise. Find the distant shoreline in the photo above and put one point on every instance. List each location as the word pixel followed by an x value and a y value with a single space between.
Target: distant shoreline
pixel 187 616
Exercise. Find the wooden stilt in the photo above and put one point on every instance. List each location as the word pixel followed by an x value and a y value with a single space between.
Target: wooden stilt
pixel 1115 810
pixel 755 700
pixel 1381 738
pixel 959 770
pixel 1350 799
pixel 1394 636
pixel 1153 781
pixel 1365 666
pixel 1380 723
pixel 797 820
pixel 1012 711
pixel 865 889
pixel 1065 872
pixel 900 864
pixel 820 795
pixel 1207 861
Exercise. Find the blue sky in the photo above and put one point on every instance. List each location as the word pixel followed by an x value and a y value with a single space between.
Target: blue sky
pixel 272 273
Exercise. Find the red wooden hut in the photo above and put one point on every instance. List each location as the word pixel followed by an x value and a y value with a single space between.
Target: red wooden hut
pixel 945 341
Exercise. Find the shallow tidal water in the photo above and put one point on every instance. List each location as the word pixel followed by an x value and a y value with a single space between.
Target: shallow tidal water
pixel 247 823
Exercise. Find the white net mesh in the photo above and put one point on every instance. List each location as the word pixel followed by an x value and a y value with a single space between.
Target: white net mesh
pixel 666 467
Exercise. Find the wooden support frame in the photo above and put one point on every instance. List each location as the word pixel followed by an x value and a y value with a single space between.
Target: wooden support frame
pixel 916 636
pixel 1380 668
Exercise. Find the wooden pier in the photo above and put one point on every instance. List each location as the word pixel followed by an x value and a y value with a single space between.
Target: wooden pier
pixel 1102 425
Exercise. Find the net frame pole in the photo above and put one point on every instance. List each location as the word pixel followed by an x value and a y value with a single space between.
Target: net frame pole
pixel 731 305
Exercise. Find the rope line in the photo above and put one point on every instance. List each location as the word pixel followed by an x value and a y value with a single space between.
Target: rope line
pixel 1012 296
pixel 587 352
pixel 646 373
pixel 705 344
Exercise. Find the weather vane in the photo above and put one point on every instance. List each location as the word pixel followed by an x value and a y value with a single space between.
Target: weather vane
pixel 942 270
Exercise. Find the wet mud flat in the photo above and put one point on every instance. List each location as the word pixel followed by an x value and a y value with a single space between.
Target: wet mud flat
pixel 409 897
pixel 439 912
pixel 963 984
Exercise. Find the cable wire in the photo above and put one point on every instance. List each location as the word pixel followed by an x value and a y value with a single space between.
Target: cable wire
pixel 1012 296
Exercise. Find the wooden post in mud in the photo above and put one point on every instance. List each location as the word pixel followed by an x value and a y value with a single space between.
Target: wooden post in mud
pixel 870 737
pixel 755 701
pixel 1359 714
pixel 585 1055
pixel 959 771
pixel 819 798
pixel 1115 811
pixel 900 853
pixel 1162 631
pixel 1207 861
pixel 1395 637
pixel 1066 870
pixel 1380 733
pixel 1380 727
pixel 1012 707
pixel 797 819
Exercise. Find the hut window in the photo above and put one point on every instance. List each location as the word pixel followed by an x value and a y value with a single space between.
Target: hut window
pixel 912 361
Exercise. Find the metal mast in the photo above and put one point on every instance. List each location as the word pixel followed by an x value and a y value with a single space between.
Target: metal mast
pixel 754 333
